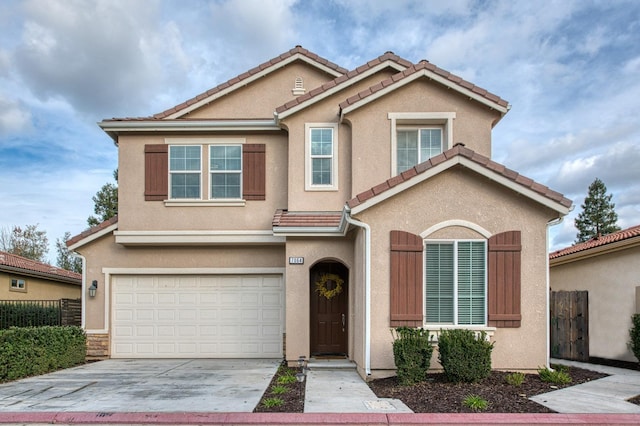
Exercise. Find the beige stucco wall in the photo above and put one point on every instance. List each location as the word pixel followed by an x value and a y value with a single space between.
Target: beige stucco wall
pixel 37 289
pixel 137 214
pixel 260 98
pixel 462 195
pixel 612 280
pixel 299 289
pixel 371 127
pixel 105 253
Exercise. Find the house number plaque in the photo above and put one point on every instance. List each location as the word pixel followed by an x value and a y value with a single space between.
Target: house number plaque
pixel 296 260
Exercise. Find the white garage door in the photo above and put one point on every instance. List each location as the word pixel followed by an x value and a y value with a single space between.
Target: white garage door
pixel 197 316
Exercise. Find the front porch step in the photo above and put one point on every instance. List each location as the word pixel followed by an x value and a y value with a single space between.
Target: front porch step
pixel 330 364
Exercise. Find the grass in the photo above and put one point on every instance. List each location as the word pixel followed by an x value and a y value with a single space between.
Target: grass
pixel 515 379
pixel 272 402
pixel 476 403
pixel 558 376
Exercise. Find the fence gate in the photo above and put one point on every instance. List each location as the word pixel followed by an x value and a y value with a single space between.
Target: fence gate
pixel 570 325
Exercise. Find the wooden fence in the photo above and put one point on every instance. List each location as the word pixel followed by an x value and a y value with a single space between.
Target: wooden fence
pixel 570 325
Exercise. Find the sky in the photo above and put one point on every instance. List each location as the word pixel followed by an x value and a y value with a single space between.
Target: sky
pixel 569 69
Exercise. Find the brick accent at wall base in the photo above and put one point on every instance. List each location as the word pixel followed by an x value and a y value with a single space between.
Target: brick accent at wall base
pixel 97 347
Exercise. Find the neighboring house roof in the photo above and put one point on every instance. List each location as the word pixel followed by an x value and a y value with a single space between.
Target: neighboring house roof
pixel 93 233
pixel 345 80
pixel 459 154
pixel 605 243
pixel 12 263
pixel 427 69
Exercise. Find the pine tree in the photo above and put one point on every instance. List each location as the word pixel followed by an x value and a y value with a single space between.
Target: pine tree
pixel 598 216
pixel 106 202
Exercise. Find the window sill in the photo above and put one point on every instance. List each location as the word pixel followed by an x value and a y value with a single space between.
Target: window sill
pixel 434 330
pixel 205 203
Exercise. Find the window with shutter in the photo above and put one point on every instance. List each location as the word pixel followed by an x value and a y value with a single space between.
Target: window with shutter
pixel 182 173
pixel 504 279
pixel 406 279
pixel 156 187
pixel 455 273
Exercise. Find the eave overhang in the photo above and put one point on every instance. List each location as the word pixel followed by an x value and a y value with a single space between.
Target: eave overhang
pixel 596 251
pixel 114 128
pixel 195 238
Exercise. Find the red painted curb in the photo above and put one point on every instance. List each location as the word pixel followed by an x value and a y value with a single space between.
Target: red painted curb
pixel 310 419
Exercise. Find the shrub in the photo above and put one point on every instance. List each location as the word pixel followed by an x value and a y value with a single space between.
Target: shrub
pixel 514 379
pixel 557 377
pixel 31 351
pixel 463 356
pixel 634 332
pixel 476 403
pixel 412 352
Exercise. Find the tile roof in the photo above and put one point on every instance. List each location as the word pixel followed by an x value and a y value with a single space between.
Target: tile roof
pixel 425 65
pixel 287 219
pixel 238 79
pixel 388 56
pixel 19 263
pixel 94 229
pixel 459 150
pixel 622 235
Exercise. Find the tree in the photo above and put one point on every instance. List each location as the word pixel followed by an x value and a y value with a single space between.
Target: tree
pixel 105 202
pixel 29 242
pixel 65 259
pixel 598 216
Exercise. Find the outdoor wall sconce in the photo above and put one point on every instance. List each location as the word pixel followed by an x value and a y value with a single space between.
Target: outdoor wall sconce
pixel 93 288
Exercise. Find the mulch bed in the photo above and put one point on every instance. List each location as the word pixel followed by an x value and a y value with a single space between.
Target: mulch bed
pixel 436 395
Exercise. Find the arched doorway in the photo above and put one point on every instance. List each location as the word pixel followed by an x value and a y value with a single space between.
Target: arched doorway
pixel 329 281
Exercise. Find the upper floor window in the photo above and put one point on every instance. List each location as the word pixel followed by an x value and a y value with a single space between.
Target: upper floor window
pixel 417 145
pixel 18 284
pixel 225 166
pixel 185 171
pixel 455 282
pixel 418 136
pixel 322 157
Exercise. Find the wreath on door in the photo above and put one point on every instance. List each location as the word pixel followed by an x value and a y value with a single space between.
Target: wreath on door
pixel 321 286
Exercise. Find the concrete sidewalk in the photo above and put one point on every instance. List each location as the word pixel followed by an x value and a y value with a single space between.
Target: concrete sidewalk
pixel 606 395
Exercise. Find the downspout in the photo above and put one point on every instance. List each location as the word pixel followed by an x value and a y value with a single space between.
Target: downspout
pixel 551 223
pixel 367 288
pixel 83 321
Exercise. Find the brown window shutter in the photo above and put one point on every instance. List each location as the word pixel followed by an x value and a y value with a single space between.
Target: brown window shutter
pixel 156 172
pixel 253 172
pixel 406 279
pixel 503 297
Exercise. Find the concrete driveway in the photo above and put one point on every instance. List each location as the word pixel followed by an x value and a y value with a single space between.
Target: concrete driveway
pixel 127 385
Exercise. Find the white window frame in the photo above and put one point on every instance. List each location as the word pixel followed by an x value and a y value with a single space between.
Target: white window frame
pixel 309 186
pixel 205 178
pixel 443 120
pixel 15 285
pixel 455 323
pixel 198 172
pixel 211 172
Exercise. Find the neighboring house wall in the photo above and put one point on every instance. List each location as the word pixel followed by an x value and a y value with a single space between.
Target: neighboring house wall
pixel 612 280
pixel 36 288
pixel 431 204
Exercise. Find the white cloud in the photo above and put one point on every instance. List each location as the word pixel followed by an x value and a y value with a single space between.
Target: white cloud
pixel 14 117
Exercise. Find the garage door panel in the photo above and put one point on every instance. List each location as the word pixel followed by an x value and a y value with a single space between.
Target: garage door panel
pixel 197 316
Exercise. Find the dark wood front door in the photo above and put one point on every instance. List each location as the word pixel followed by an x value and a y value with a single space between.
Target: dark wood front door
pixel 329 309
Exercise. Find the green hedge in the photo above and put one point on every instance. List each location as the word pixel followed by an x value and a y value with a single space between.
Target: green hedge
pixel 464 356
pixel 412 352
pixel 31 351
pixel 634 334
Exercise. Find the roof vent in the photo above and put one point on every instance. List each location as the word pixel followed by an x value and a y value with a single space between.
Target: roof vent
pixel 298 87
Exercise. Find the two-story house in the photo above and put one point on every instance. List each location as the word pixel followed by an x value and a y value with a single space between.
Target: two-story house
pixel 305 209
